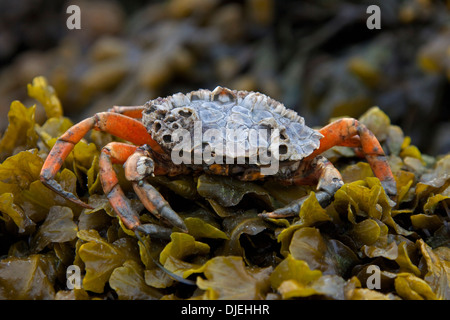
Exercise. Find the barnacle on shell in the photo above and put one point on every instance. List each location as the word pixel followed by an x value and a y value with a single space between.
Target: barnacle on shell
pixel 223 109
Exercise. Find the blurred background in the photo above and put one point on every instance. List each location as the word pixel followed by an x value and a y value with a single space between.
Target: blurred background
pixel 317 57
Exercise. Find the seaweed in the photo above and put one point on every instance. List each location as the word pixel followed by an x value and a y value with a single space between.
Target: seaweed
pixel 229 252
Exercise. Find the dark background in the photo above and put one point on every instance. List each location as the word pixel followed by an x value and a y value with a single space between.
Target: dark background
pixel 317 57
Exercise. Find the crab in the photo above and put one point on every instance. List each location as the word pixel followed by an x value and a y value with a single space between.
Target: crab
pixel 151 129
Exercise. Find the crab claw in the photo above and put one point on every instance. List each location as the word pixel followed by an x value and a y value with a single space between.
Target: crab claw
pixel 155 203
pixel 138 166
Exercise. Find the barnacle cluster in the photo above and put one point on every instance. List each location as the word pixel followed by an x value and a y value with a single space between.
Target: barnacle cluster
pixel 247 119
pixel 229 251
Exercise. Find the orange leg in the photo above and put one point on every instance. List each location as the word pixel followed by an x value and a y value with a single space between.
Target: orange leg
pixel 116 152
pixel 134 112
pixel 116 124
pixel 344 132
pixel 353 142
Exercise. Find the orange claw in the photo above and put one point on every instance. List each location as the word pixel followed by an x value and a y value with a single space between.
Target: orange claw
pixel 116 152
pixel 345 132
pixel 118 125
pixel 149 196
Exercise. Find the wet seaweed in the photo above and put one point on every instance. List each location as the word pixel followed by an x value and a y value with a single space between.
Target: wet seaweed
pixel 229 251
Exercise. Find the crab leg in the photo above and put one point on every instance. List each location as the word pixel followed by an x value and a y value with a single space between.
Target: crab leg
pixel 116 152
pixel 343 132
pixel 116 124
pixel 354 142
pixel 137 168
pixel 328 178
pixel 134 112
